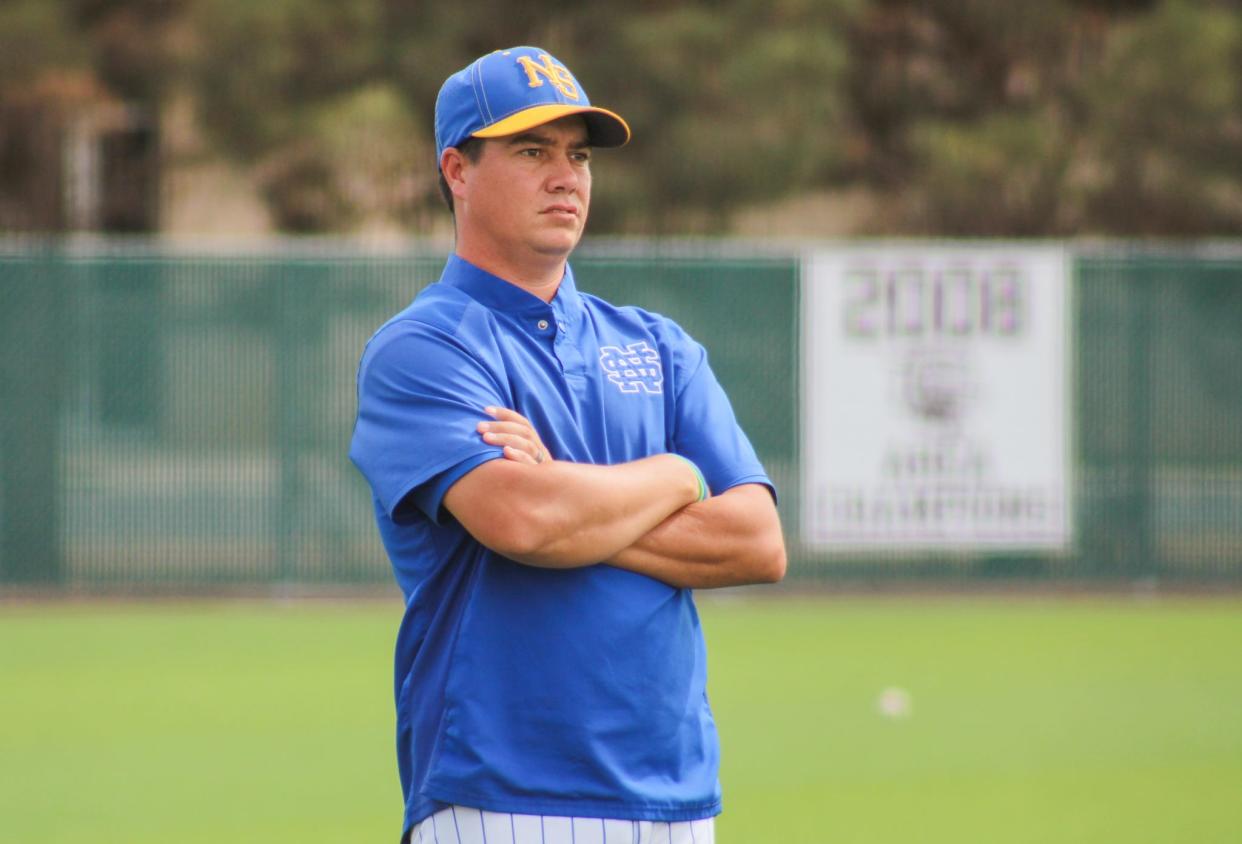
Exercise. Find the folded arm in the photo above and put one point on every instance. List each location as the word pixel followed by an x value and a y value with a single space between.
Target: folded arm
pixel 604 513
pixel 729 540
pixel 558 514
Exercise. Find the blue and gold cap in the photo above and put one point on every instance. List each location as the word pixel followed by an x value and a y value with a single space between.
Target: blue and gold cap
pixel 513 90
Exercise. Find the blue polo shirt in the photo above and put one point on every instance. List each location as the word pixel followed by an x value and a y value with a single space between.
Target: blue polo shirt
pixel 524 689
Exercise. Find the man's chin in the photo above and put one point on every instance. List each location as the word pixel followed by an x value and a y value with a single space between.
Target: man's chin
pixel 558 246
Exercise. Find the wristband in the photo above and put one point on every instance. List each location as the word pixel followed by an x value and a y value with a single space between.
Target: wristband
pixel 704 491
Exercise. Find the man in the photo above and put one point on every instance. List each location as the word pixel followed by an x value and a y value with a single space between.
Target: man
pixel 552 476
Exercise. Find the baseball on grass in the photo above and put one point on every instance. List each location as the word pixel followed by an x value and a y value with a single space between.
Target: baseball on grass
pixel 894 702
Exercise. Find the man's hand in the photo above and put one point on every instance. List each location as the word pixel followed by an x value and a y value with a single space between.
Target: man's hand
pixel 514 432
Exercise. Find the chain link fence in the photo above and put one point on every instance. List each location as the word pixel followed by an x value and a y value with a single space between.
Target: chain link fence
pixel 178 419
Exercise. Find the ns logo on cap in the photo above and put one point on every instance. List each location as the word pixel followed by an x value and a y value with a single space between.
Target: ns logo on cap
pixel 557 74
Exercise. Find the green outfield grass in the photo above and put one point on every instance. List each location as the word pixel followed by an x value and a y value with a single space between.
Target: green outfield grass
pixel 1031 721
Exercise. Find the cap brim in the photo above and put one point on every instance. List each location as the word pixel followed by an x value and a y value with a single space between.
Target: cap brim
pixel 604 128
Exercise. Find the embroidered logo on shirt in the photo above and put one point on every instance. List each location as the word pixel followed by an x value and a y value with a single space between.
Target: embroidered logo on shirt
pixel 636 367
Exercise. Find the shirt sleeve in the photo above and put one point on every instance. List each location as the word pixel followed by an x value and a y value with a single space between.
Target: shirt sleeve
pixel 705 428
pixel 421 395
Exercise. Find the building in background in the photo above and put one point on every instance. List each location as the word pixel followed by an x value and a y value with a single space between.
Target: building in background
pixel 73 158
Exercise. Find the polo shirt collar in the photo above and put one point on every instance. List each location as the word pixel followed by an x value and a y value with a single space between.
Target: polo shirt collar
pixel 495 293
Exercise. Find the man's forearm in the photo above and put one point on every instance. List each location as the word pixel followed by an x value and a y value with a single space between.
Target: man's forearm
pixel 563 514
pixel 730 540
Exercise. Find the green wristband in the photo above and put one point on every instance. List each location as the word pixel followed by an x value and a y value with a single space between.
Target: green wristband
pixel 704 492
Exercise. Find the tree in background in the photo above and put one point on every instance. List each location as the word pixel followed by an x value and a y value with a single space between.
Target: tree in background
pixel 1085 117
pixel 730 102
pixel 734 106
pixel 958 100
pixel 296 89
pixel 1164 125
pixel 960 117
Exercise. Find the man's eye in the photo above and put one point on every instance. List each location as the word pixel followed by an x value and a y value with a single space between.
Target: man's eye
pixel 532 152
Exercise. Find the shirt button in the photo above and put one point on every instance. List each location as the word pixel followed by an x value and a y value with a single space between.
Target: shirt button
pixel 543 325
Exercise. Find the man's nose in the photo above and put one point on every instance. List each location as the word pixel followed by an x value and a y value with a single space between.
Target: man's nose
pixel 564 177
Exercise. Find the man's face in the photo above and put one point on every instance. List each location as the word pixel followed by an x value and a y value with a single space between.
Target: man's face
pixel 529 192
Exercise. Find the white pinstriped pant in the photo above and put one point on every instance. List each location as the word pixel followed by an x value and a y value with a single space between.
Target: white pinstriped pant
pixel 461 825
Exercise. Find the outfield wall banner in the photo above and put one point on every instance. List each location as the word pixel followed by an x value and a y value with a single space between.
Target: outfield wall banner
pixel 935 409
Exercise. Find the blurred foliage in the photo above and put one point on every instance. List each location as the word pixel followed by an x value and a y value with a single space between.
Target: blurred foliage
pixel 963 117
pixel 1001 175
pixel 132 44
pixel 1053 119
pixel 1166 125
pixel 729 106
pixel 36 37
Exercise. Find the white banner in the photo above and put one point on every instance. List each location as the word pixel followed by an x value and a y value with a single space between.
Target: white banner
pixel 935 411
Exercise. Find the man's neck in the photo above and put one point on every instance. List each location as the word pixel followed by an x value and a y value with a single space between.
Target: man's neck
pixel 538 278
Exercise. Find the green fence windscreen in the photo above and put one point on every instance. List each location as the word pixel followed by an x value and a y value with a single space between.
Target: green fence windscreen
pixel 1159 424
pixel 178 421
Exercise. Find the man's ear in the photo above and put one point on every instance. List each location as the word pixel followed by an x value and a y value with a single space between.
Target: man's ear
pixel 453 165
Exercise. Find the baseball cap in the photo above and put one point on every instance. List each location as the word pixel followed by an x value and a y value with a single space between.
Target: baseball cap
pixel 513 90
